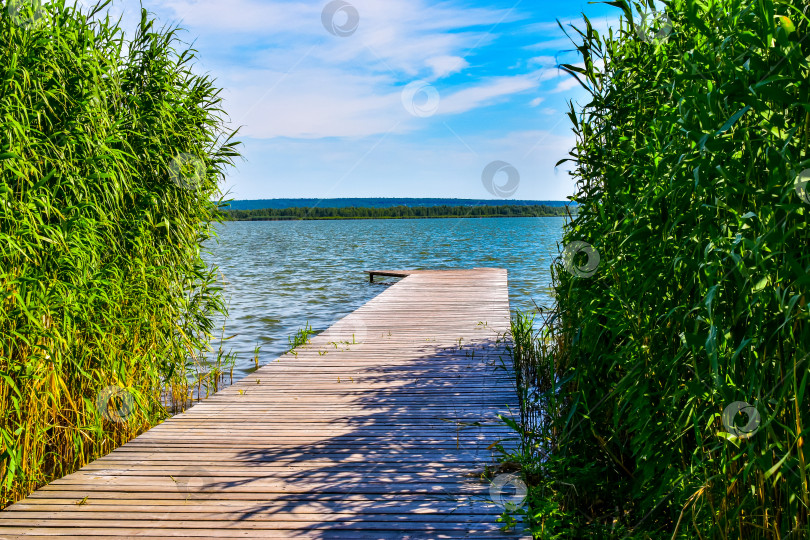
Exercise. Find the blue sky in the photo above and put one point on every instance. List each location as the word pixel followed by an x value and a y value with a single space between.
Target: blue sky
pixel 394 98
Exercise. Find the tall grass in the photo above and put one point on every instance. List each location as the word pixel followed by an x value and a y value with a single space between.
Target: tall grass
pixel 107 305
pixel 687 156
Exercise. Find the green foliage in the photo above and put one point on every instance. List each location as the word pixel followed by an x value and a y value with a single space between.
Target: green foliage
pixel 106 302
pixel 301 337
pixel 687 156
pixel 396 212
pixel 534 354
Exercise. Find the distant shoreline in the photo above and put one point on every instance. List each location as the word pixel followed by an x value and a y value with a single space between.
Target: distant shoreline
pixel 385 202
pixel 396 212
pixel 390 217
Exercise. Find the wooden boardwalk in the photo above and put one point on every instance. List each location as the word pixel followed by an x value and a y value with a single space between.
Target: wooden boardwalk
pixel 379 428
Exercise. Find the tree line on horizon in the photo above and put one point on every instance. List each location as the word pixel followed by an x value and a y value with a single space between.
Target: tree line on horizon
pixel 379 202
pixel 397 212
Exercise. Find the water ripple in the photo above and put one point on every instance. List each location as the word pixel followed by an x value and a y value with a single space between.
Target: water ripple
pixel 281 275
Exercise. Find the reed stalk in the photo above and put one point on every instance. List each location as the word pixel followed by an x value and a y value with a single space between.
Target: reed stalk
pixel 688 151
pixel 111 151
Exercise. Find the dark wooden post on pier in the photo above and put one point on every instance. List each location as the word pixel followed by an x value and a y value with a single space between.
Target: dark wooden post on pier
pixel 387 273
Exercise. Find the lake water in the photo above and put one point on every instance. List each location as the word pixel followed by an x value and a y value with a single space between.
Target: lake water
pixel 279 275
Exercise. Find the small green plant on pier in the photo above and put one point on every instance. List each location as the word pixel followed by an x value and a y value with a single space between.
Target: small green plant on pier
pixel 300 338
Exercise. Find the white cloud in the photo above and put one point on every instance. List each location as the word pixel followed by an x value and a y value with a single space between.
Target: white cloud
pixel 313 102
pixel 443 66
pixel 403 35
pixel 317 102
pixel 566 84
pixel 421 167
pixel 543 61
pixel 236 17
pixel 295 79
pixel 323 115
pixel 485 93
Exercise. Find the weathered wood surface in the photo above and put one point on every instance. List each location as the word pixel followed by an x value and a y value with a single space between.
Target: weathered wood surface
pixel 379 428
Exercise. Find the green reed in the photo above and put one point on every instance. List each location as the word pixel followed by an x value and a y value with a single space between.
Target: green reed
pixel 687 157
pixel 300 338
pixel 107 305
pixel 535 346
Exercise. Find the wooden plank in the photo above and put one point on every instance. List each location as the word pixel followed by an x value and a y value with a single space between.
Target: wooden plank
pixel 380 427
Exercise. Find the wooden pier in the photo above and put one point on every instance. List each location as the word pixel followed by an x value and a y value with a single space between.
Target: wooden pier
pixel 379 428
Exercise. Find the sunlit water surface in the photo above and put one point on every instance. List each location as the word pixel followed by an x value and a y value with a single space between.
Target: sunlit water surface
pixel 280 276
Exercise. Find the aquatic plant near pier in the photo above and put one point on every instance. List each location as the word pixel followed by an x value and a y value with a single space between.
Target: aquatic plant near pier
pixel 111 149
pixel 682 287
